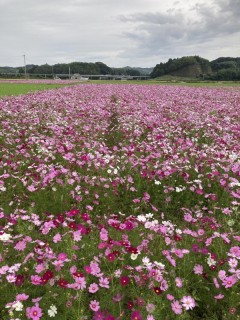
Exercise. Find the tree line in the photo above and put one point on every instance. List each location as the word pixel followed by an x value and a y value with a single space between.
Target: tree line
pixel 223 68
pixel 83 68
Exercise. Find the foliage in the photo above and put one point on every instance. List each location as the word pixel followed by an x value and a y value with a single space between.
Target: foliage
pixel 173 65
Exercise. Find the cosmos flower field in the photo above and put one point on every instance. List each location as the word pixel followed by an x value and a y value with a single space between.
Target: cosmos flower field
pixel 120 202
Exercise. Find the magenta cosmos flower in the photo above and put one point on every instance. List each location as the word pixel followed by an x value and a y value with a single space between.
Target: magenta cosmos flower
pixel 124 280
pixel 136 315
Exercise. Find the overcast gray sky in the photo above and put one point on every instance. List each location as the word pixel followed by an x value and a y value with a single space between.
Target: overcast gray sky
pixel 117 32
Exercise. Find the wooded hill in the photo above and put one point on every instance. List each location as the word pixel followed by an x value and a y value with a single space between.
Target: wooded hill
pixel 197 67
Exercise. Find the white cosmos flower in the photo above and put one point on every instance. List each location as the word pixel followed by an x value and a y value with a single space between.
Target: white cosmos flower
pixel 141 218
pixel 18 306
pixel 52 311
pixel 5 237
pixel 134 256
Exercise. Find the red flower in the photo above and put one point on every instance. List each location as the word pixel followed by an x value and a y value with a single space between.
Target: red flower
pixel 60 218
pixel 111 257
pixel 130 305
pixel 85 216
pixel 177 238
pixel 62 283
pixel 78 274
pixel 48 274
pixel 19 280
pixel 124 281
pixel 132 250
pixel 157 290
pixel 72 225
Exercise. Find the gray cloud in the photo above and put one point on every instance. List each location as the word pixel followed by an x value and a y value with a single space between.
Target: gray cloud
pixel 136 32
pixel 179 31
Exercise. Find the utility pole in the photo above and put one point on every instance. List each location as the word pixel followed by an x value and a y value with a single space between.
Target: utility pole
pixel 25 67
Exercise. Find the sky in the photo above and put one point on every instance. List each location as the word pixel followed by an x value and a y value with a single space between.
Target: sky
pixel 137 33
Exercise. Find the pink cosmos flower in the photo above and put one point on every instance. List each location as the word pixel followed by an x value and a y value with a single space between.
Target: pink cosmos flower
pixel 22 297
pixel 178 282
pixel 222 274
pixel 176 307
pixel 219 296
pixel 150 317
pixel 20 245
pixel 34 313
pixel 81 282
pixel 93 288
pixel 103 282
pixel 94 268
pixel 57 238
pixel 228 282
pixel 62 256
pixel 216 283
pixel 150 307
pixel 188 302
pixel 94 305
pixel 11 278
pixel 198 269
pixel 104 234
pixel 235 252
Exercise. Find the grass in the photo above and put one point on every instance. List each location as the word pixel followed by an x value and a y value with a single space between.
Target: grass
pixel 14 89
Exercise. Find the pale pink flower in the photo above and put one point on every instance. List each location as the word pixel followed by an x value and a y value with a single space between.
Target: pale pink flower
pixel 103 282
pixel 57 238
pixel 216 283
pixel 93 288
pixel 150 307
pixel 198 269
pixel 235 252
pixel 94 305
pixel 81 282
pixel 20 245
pixel 36 280
pixel 170 297
pixel 95 268
pixel 104 234
pixel 11 278
pixel 188 302
pixel 176 307
pixel 22 297
pixel 178 282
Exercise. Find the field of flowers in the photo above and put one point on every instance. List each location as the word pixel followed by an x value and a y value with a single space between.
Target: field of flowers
pixel 120 202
